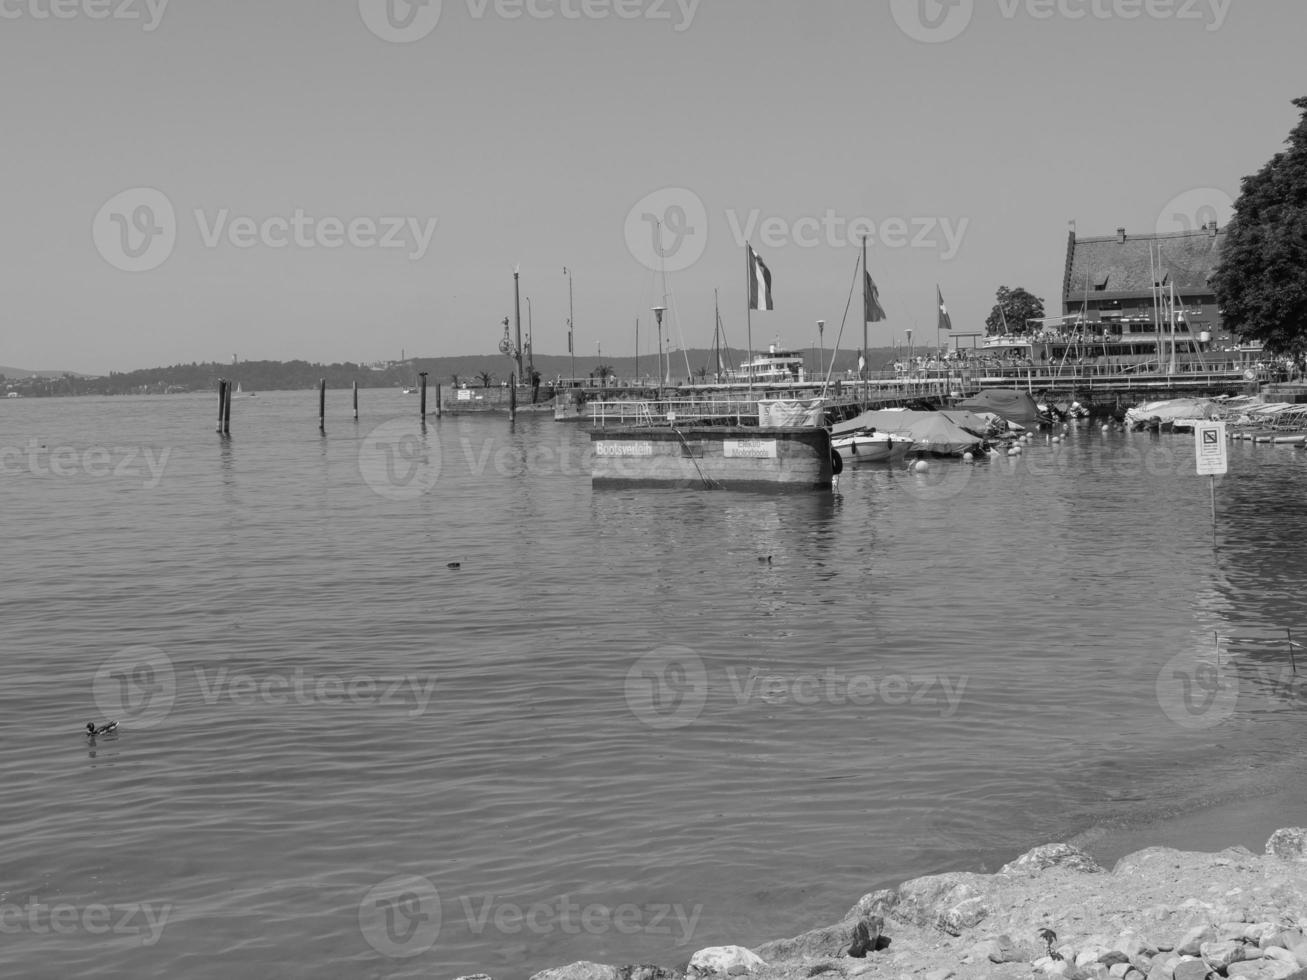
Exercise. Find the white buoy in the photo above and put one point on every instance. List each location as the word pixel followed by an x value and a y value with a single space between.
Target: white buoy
pixel 1057 438
pixel 967 458
pixel 1014 451
pixel 1107 428
pixel 921 466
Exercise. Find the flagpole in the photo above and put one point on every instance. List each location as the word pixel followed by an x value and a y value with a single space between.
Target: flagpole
pixel 748 313
pixel 862 371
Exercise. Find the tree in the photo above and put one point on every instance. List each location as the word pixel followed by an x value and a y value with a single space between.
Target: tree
pixel 486 378
pixel 603 372
pixel 1261 283
pixel 1014 307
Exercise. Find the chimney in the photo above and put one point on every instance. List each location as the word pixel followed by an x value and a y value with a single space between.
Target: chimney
pixel 1120 234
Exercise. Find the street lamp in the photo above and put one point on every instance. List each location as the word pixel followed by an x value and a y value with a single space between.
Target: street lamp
pixel 570 315
pixel 530 358
pixel 658 312
pixel 821 361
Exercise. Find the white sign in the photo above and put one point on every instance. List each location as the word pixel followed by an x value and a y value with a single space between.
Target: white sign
pixel 623 448
pixel 1210 448
pixel 753 449
pixel 464 395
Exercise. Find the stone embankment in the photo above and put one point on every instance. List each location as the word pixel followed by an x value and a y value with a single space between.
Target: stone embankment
pixel 1159 914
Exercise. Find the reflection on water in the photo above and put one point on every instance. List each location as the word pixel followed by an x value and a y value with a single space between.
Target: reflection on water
pixel 915 672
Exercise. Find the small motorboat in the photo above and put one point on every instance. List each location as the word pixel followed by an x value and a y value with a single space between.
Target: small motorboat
pixel 868 446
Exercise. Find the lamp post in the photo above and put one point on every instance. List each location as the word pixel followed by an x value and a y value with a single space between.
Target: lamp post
pixel 821 361
pixel 570 315
pixel 530 358
pixel 658 312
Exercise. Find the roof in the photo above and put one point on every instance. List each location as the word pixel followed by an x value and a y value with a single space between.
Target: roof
pixel 1121 265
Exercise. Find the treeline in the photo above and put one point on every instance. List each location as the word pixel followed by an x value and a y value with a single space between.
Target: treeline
pixel 475 370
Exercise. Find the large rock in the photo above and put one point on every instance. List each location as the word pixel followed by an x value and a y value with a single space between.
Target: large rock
pixel 724 961
pixel 855 937
pixel 1051 856
pixel 1289 843
pixel 1191 970
pixel 1220 955
pixel 644 971
pixel 580 971
pixel 953 902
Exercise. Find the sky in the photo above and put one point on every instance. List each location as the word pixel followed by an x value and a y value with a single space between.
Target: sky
pixel 192 180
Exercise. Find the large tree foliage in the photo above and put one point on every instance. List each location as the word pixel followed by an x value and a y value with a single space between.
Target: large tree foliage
pixel 1014 308
pixel 1261 284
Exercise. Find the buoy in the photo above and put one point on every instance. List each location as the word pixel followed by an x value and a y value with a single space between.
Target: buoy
pixel 967 457
pixel 1107 428
pixel 1057 438
pixel 454 564
pixel 1014 451
pixel 921 466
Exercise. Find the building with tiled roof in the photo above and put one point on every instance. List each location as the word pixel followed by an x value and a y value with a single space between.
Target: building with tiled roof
pixel 1113 281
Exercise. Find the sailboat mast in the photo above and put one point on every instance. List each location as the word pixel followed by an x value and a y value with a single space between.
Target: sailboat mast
pixel 865 306
pixel 717 335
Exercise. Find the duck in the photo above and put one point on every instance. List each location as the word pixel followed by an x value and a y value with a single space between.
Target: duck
pixel 106 729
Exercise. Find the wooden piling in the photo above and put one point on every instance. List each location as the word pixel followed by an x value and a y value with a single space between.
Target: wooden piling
pixel 322 406
pixel 226 411
pixel 437 400
pixel 422 390
pixel 356 401
pixel 222 401
pixel 1292 659
pixel 512 397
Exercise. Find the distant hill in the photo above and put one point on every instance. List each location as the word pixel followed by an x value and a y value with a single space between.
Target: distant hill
pixel 255 376
pixel 18 373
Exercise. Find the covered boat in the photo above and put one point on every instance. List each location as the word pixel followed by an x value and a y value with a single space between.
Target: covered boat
pixel 932 433
pixel 1011 403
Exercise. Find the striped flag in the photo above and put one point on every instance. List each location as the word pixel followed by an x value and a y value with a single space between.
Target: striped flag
pixel 759 283
pixel 944 322
pixel 875 312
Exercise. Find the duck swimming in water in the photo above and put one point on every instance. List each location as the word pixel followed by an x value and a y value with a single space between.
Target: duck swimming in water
pixel 107 729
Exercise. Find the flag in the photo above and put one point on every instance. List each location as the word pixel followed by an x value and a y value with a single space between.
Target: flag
pixel 759 283
pixel 944 322
pixel 875 313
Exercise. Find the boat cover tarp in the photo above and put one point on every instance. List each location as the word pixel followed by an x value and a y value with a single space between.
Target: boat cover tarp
pixel 790 414
pixel 1012 404
pixel 944 433
pixel 1172 409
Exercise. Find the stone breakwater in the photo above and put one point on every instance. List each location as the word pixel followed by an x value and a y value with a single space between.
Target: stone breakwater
pixel 1159 914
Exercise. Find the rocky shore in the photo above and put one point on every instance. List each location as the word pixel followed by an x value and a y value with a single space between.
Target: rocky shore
pixel 1159 914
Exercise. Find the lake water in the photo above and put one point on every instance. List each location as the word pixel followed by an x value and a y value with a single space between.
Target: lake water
pixel 629 725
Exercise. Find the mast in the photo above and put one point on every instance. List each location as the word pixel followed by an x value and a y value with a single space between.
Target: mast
pixel 637 350
pixel 717 335
pixel 517 321
pixel 864 307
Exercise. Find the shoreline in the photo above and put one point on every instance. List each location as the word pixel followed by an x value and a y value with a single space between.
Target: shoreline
pixel 1144 886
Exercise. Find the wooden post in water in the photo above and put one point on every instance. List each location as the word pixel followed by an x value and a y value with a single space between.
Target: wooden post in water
pixel 356 401
pixel 322 405
pixel 512 397
pixel 1292 659
pixel 422 390
pixel 222 401
pixel 226 411
pixel 437 400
